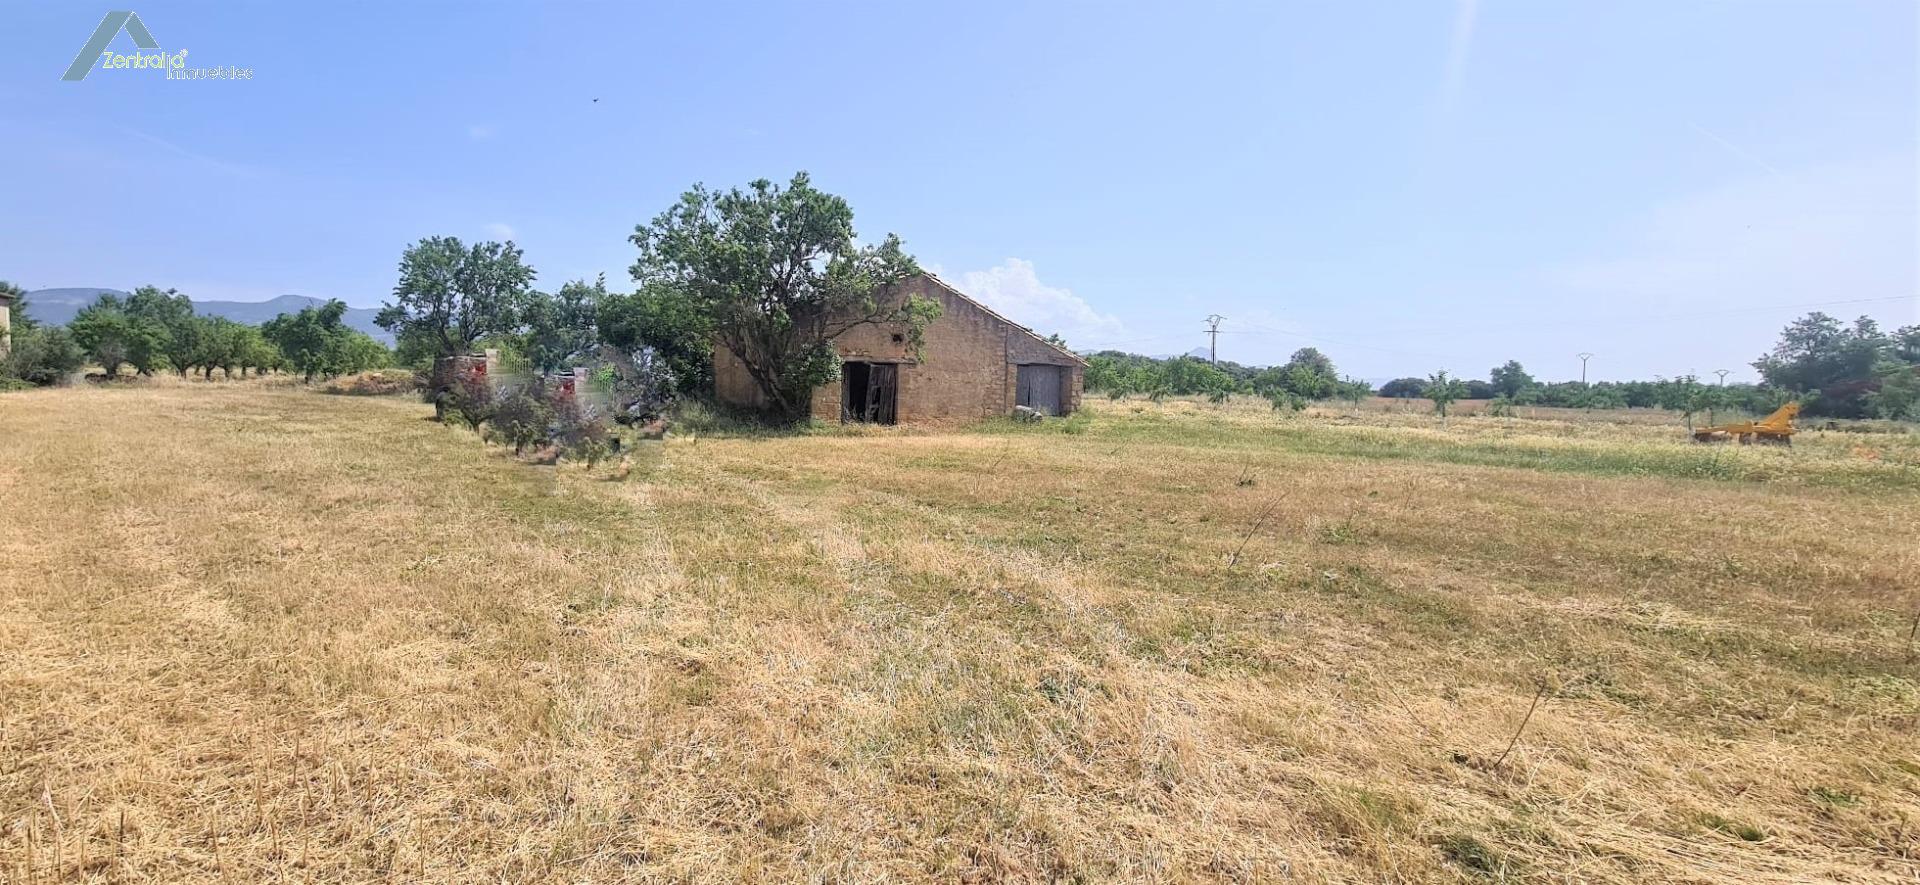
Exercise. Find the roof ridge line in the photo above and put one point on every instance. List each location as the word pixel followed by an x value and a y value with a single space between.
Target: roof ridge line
pixel 998 316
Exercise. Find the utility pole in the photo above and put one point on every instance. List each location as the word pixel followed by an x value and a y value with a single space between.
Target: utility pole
pixel 1213 333
pixel 1583 367
pixel 1723 376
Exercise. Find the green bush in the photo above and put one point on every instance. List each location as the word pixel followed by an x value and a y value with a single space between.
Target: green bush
pixel 468 400
pixel 42 355
pixel 522 418
pixel 581 430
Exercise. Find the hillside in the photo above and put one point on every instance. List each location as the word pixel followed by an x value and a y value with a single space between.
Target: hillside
pixel 58 306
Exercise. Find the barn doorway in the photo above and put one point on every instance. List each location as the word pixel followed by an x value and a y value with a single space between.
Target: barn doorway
pixel 869 392
pixel 1040 389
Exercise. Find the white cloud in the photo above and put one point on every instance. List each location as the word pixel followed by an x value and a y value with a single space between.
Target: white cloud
pixel 478 132
pixel 1013 289
pixel 500 230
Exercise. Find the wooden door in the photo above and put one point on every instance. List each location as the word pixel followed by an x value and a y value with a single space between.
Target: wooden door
pixel 883 393
pixel 1039 387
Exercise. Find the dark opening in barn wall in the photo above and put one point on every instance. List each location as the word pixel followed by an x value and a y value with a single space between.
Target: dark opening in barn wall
pixel 1040 388
pixel 869 392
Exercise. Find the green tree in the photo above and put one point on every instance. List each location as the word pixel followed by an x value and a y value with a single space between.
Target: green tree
pixel 1684 394
pixel 1311 359
pixel 1104 373
pixel 1404 388
pixel 1509 379
pixel 314 342
pixel 1308 383
pixel 1186 376
pixel 777 275
pixel 1898 395
pixel 42 355
pixel 169 315
pixel 1603 396
pixel 1309 374
pixel 1818 353
pixel 114 338
pixel 16 309
pixel 1443 391
pixel 561 328
pixel 661 321
pixel 1706 398
pixel 253 351
pixel 451 295
pixel 218 343
pixel 1906 344
pixel 356 351
pixel 1353 390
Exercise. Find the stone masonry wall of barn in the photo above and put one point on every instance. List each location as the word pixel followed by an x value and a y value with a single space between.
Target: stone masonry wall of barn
pixel 968 368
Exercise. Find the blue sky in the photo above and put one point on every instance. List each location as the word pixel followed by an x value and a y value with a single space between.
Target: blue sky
pixel 1407 186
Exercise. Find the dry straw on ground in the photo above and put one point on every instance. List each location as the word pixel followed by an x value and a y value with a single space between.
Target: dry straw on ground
pixel 253 633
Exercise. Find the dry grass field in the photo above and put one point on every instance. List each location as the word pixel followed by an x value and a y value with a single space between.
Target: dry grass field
pixel 255 633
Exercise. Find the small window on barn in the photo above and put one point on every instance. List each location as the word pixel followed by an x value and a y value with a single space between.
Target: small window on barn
pixel 899 338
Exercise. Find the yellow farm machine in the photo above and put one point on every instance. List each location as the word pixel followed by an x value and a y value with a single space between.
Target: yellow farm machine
pixel 1775 429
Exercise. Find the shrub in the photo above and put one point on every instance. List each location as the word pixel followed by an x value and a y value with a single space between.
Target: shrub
pixel 42 355
pixel 581 432
pixel 522 418
pixel 468 400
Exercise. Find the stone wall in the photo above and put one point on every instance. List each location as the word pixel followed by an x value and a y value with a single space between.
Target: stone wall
pixel 6 325
pixel 967 370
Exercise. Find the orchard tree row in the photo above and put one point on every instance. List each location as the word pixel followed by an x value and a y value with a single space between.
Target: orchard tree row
pixel 1831 368
pixel 152 330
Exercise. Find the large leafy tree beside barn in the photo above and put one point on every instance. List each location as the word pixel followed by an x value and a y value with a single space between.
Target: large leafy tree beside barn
pixel 776 274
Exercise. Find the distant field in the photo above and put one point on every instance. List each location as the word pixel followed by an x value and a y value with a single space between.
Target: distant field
pixel 253 633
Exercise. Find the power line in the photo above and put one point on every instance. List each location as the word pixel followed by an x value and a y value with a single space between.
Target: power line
pixel 1213 335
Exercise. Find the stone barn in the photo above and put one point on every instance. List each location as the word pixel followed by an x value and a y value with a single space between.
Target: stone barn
pixel 975 364
pixel 6 323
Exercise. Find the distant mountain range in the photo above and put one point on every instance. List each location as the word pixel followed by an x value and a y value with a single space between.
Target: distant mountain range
pixel 57 307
